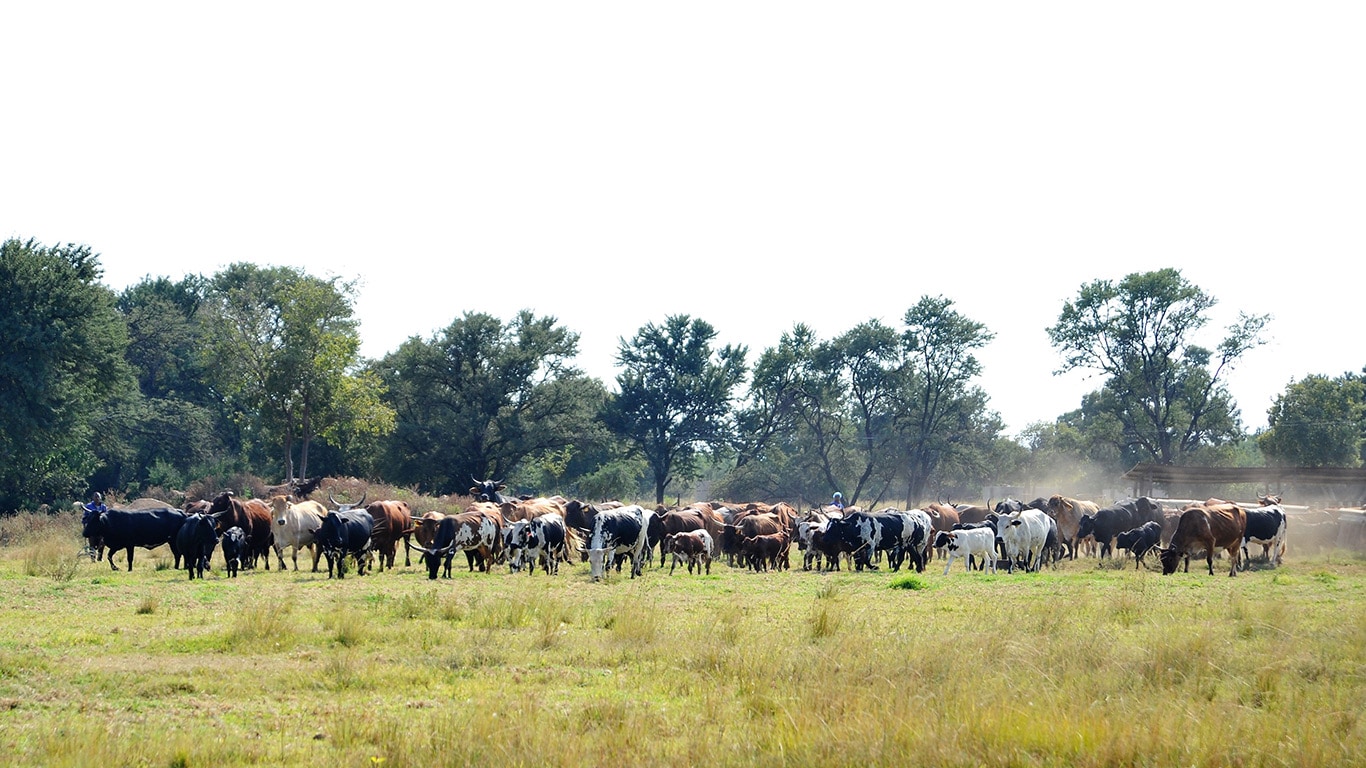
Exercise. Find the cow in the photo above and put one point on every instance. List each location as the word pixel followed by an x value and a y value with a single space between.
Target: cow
pixel 488 490
pixel 126 529
pixel 294 526
pixel 424 528
pixel 623 531
pixel 766 551
pixel 526 509
pixel 1068 512
pixel 393 522
pixel 1138 541
pixel 694 548
pixel 235 550
pixel 512 544
pixel 1206 527
pixel 478 532
pixel 1109 522
pixel 196 539
pixel 968 543
pixel 971 513
pixel 693 518
pixel 1266 525
pixel 547 540
pixel 251 515
pixel 747 525
pixel 1023 534
pixel 344 533
pixel 943 517
pixel 865 534
pixel 807 530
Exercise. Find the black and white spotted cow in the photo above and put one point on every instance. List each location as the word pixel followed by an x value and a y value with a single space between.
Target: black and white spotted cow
pixel 547 540
pixel 623 531
pixel 1266 525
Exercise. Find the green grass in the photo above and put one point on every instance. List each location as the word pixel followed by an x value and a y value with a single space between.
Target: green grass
pixel 1083 666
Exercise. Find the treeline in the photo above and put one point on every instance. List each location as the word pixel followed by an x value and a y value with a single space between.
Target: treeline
pixel 256 370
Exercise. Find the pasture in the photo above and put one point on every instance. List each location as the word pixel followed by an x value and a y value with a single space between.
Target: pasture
pixel 1086 665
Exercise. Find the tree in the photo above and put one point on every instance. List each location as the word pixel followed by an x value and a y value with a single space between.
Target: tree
pixel 675 396
pixel 281 344
pixel 941 411
pixel 1167 394
pixel 176 423
pixel 481 397
pixel 1317 422
pixel 61 371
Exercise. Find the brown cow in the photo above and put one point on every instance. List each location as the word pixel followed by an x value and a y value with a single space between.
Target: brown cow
pixel 252 516
pixel 943 517
pixel 767 551
pixel 747 526
pixel 530 509
pixel 1207 527
pixel 424 528
pixel 972 513
pixel 1067 512
pixel 393 521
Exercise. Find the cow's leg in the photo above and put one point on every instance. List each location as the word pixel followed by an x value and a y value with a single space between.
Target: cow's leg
pixel 407 550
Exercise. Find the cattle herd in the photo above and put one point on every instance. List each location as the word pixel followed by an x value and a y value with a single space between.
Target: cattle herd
pixel 543 532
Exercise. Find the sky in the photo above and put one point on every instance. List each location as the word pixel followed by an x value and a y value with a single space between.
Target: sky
pixel 752 164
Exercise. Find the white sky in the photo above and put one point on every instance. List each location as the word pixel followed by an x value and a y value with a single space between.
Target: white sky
pixel 755 164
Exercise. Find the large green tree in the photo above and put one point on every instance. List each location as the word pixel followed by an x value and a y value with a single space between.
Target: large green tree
pixel 1317 422
pixel 62 371
pixel 942 417
pixel 675 396
pixel 1166 393
pixel 483 396
pixel 176 425
pixel 281 344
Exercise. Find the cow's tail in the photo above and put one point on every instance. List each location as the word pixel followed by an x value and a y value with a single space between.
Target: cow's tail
pixel 573 542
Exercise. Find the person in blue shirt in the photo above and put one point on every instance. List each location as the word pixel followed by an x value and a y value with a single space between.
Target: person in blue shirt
pixel 838 501
pixel 96 503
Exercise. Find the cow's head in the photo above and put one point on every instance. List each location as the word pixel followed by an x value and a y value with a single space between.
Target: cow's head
pixel 92 524
pixel 1086 527
pixel 1170 557
pixel 597 562
pixel 486 490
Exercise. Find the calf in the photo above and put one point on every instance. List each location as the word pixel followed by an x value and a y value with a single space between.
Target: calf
pixel 197 537
pixel 966 543
pixel 691 547
pixel 765 551
pixel 235 550
pixel 1139 541
pixel 548 540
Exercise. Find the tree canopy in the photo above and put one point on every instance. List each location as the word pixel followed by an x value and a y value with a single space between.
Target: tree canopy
pixel 62 370
pixel 1318 422
pixel 675 396
pixel 1166 394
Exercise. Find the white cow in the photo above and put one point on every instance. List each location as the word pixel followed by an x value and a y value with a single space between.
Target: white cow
pixel 1023 534
pixel 966 543
pixel 806 532
pixel 293 525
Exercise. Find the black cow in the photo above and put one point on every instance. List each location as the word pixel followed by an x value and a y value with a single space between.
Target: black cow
pixel 196 539
pixel 442 548
pixel 1140 540
pixel 342 534
pixel 488 490
pixel 1111 521
pixel 126 529
pixel 236 550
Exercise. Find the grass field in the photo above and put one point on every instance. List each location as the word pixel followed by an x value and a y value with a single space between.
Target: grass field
pixel 1083 666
